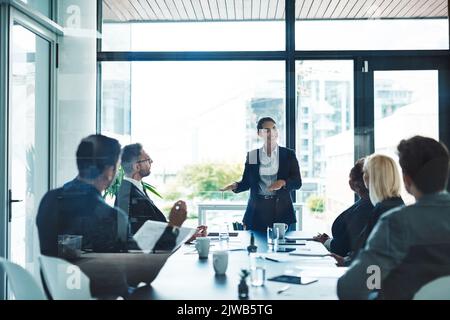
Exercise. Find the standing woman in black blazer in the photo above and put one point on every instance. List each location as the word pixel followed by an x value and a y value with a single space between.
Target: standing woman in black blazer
pixel 271 173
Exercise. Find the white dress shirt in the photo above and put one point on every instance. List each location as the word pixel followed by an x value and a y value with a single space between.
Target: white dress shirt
pixel 137 184
pixel 268 170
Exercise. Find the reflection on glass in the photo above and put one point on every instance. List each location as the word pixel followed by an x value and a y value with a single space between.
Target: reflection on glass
pixel 42 6
pixel 324 138
pixel 197 120
pixel 29 139
pixel 407 101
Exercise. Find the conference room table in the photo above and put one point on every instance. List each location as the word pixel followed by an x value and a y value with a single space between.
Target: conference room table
pixel 186 277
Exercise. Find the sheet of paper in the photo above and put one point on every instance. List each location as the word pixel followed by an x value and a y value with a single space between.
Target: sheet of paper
pixel 309 254
pixel 278 257
pixel 150 232
pixel 299 238
pixel 322 272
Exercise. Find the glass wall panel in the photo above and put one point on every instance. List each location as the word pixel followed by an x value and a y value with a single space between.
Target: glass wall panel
pixel 325 139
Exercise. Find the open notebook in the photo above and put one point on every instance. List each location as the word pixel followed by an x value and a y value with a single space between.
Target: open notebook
pixel 150 232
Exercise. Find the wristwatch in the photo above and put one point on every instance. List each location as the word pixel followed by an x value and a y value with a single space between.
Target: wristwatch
pixel 175 231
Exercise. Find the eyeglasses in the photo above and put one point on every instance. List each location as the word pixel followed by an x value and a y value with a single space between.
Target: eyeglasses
pixel 145 160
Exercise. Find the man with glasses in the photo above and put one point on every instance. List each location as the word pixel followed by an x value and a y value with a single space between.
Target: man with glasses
pixel 133 197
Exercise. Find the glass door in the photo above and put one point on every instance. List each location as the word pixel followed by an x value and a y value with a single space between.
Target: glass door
pixel 406 97
pixel 28 149
pixel 406 103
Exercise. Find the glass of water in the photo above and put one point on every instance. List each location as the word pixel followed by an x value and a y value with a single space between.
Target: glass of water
pixel 257 270
pixel 224 236
pixel 273 237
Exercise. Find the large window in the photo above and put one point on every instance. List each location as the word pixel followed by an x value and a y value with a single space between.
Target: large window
pixel 325 138
pixel 372 25
pixel 196 120
pixel 180 25
pixel 190 78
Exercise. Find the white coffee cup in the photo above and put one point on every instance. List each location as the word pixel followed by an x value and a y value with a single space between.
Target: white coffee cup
pixel 282 228
pixel 220 262
pixel 202 246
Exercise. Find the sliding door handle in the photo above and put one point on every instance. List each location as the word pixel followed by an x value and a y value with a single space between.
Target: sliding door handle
pixel 10 202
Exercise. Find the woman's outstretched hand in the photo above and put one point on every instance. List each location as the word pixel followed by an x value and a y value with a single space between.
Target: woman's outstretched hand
pixel 230 187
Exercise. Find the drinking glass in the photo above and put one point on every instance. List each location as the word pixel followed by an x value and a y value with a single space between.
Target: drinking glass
pixel 273 237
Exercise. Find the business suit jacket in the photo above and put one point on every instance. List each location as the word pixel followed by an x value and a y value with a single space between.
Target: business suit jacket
pixel 410 245
pixel 380 208
pixel 137 205
pixel 348 226
pixel 79 209
pixel 139 208
pixel 288 170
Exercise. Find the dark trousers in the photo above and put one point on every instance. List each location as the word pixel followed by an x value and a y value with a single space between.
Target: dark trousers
pixel 265 212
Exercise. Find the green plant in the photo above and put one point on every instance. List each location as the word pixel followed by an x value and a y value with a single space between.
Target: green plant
pixel 151 188
pixel 205 179
pixel 113 189
pixel 316 204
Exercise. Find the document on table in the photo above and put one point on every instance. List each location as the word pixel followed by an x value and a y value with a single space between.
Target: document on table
pixel 299 238
pixel 278 257
pixel 309 254
pixel 322 272
pixel 148 235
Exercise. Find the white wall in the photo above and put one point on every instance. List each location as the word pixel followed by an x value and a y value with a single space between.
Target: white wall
pixel 76 106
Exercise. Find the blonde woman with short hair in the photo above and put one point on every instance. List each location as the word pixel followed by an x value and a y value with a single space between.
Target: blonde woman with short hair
pixel 382 178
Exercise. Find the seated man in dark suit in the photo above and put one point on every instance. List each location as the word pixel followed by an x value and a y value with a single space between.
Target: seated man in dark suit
pixel 132 197
pixel 78 207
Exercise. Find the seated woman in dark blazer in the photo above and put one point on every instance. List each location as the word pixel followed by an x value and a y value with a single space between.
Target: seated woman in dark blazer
pixel 383 180
pixel 271 173
pixel 350 223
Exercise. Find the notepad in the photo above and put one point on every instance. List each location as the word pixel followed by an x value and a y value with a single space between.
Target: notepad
pixel 298 238
pixel 321 272
pixel 148 235
pixel 290 242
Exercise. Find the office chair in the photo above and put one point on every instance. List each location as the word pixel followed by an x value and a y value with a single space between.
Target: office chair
pixel 64 280
pixel 438 289
pixel 23 285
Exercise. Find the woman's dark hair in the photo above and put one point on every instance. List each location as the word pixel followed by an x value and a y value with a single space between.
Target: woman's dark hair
pixel 130 155
pixel 261 121
pixel 96 153
pixel 426 162
pixel 356 177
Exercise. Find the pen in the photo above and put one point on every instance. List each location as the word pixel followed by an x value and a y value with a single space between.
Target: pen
pixel 271 259
pixel 283 289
